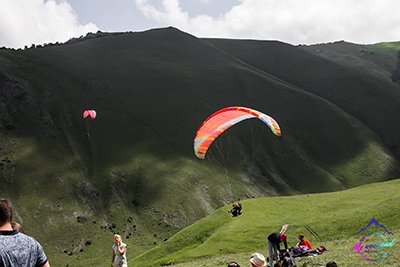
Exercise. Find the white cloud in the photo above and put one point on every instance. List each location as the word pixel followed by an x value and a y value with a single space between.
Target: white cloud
pixel 293 21
pixel 25 22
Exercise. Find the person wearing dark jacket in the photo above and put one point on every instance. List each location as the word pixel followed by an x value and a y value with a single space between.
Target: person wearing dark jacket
pixel 274 241
pixel 236 209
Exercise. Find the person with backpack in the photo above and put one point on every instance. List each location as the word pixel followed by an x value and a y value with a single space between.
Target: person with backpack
pixel 236 209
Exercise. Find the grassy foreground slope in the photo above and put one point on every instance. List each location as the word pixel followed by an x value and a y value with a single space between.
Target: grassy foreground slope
pixel 335 217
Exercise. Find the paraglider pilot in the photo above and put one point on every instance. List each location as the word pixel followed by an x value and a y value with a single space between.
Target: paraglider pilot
pixel 236 209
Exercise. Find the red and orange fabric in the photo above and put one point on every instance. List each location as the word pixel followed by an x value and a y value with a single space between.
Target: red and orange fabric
pixel 222 120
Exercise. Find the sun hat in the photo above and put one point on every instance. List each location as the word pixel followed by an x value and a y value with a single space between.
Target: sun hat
pixel 258 260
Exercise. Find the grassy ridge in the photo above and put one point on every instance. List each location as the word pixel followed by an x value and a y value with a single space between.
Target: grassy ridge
pixel 377 59
pixel 336 217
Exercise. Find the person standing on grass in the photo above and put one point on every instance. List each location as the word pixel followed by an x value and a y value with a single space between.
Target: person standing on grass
pixel 274 241
pixel 119 253
pixel 17 249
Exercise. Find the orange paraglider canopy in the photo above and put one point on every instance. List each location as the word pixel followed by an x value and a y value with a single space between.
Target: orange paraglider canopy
pixel 222 120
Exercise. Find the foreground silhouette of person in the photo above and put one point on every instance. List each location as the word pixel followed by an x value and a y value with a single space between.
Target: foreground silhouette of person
pixel 331 264
pixel 17 249
pixel 119 253
pixel 257 260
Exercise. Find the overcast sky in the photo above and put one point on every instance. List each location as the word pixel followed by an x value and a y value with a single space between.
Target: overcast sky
pixel 24 22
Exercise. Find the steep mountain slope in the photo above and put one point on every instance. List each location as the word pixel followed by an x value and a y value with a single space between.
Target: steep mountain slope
pixel 137 174
pixel 357 92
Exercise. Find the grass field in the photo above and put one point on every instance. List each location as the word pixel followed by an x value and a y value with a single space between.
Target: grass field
pixel 339 251
pixel 335 217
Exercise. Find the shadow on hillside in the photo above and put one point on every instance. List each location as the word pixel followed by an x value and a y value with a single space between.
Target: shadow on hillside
pixel 146 95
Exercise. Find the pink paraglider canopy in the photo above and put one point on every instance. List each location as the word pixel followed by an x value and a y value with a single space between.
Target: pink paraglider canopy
pixel 89 113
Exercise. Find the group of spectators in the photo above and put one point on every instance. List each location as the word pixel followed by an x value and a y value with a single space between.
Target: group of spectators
pixel 19 249
pixel 281 258
pixel 258 260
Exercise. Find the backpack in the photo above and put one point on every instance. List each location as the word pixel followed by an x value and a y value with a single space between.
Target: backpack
pixel 285 260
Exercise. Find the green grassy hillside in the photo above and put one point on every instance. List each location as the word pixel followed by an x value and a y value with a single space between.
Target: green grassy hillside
pixel 137 174
pixel 335 217
pixel 377 59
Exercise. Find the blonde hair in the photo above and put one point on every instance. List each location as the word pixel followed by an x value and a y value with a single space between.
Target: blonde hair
pixel 17 226
pixel 117 235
